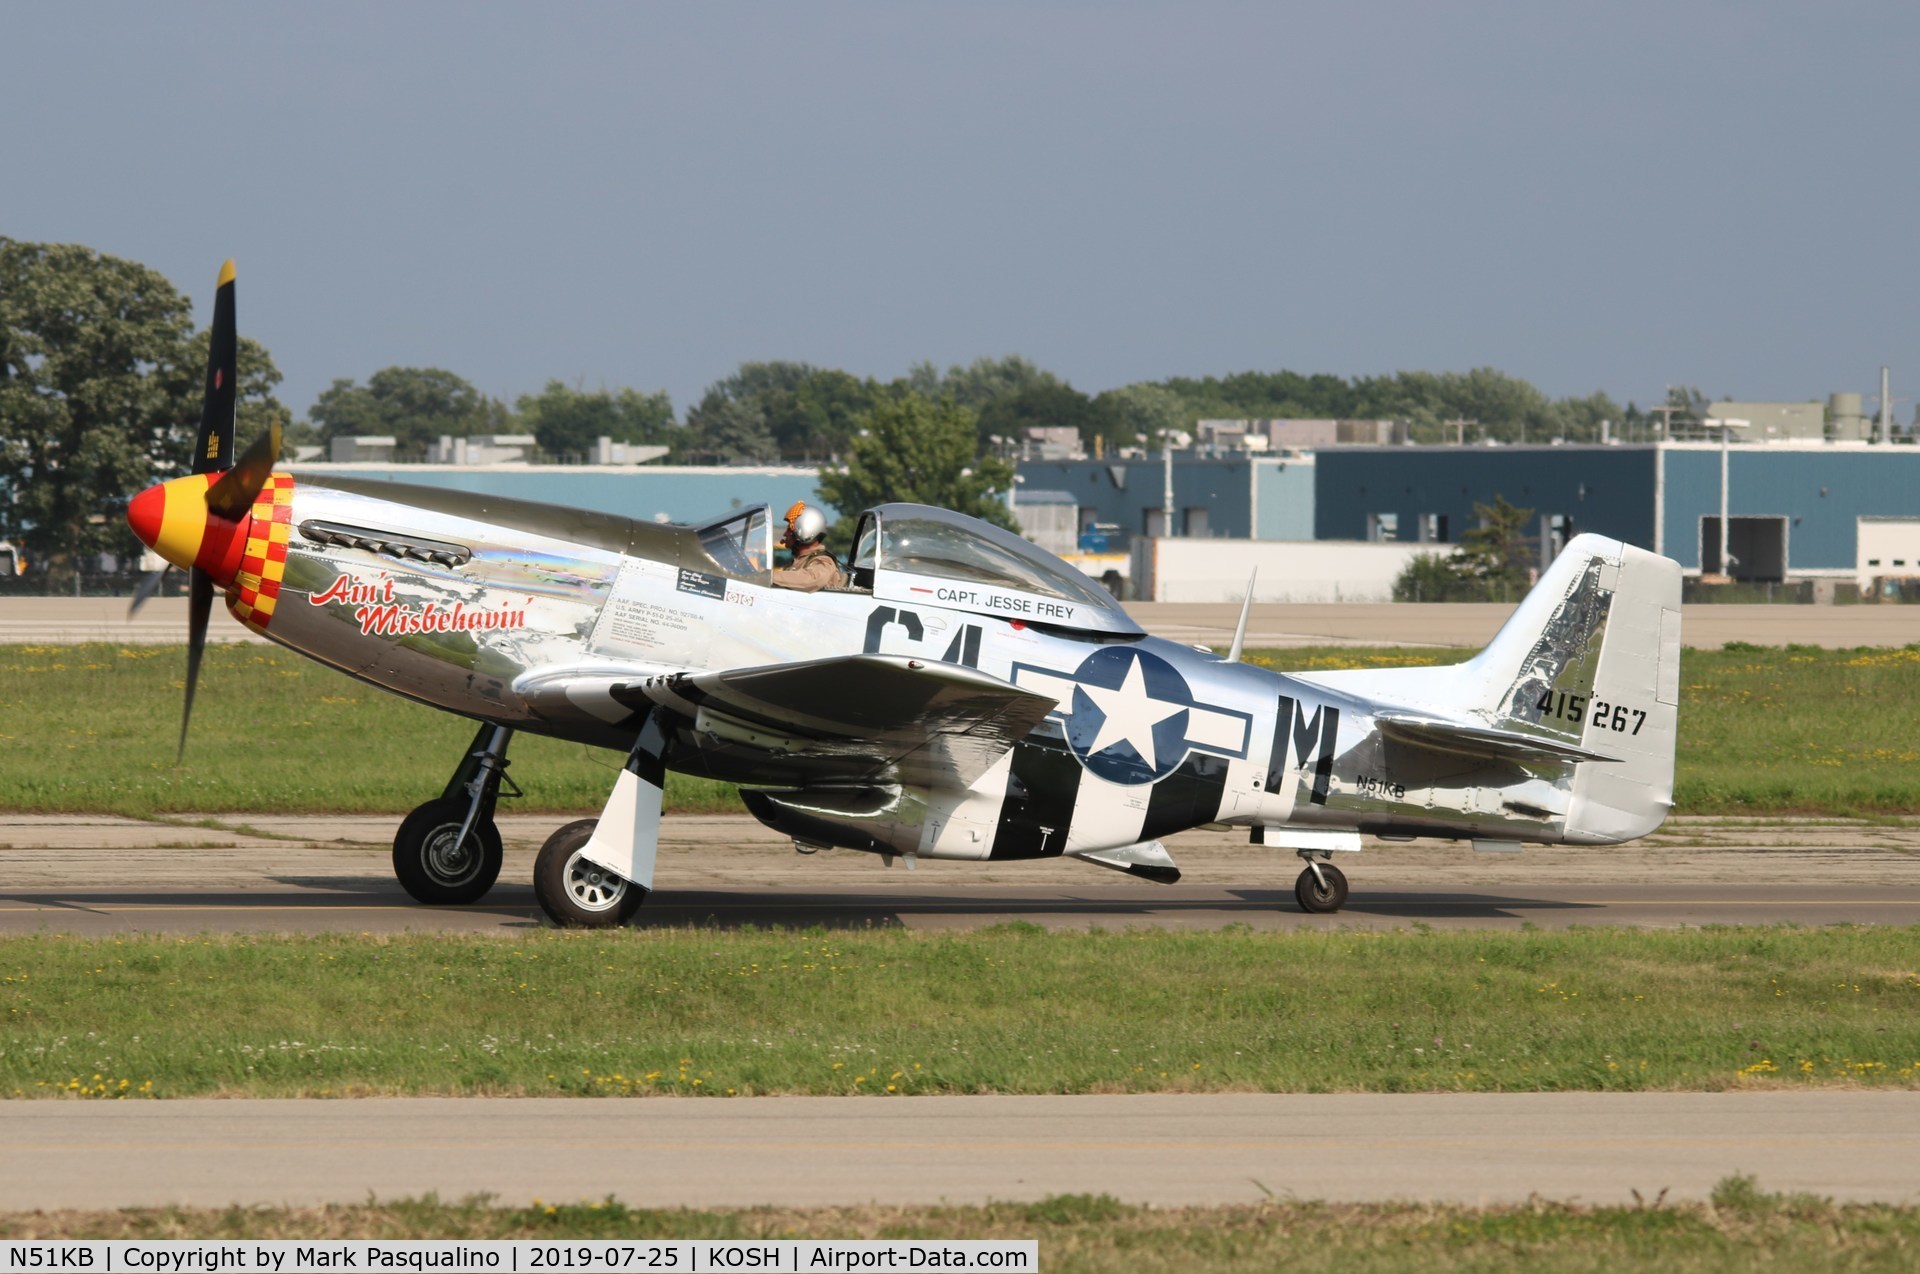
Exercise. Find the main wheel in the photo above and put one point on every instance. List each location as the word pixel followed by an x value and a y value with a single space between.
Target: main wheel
pixel 435 865
pixel 1317 898
pixel 575 893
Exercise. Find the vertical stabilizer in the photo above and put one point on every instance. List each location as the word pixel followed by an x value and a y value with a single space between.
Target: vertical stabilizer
pixel 1588 662
pixel 1591 658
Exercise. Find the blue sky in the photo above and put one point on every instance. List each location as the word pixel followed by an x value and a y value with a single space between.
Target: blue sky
pixel 1593 197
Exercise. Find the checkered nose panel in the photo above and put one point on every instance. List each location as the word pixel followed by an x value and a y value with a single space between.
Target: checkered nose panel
pixel 256 588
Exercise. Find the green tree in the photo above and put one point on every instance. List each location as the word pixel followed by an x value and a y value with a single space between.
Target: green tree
pixel 1494 563
pixel 416 406
pixel 807 411
pixel 1579 418
pixel 724 430
pixel 1434 577
pixel 568 421
pixel 100 383
pixel 923 452
pixel 979 382
pixel 1687 407
pixel 1145 410
pixel 827 407
pixel 1498 405
pixel 1499 550
pixel 1266 396
pixel 1048 404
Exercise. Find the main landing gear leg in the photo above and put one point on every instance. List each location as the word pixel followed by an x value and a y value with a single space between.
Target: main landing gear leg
pixel 448 850
pixel 1322 887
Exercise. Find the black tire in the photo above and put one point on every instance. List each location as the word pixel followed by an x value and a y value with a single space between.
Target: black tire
pixel 1317 899
pixel 574 893
pixel 429 864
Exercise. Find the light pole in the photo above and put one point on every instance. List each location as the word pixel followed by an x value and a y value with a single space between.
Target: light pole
pixel 1726 431
pixel 1166 482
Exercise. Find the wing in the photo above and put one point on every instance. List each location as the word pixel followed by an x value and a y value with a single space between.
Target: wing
pixel 862 718
pixel 853 719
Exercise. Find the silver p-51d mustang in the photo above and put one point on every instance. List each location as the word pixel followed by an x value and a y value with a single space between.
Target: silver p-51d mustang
pixel 965 695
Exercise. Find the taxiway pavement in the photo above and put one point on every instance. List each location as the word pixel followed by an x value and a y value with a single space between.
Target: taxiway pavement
pixel 803 1151
pixel 97 875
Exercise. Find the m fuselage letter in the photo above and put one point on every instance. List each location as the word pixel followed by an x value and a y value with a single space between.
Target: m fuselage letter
pixel 1299 739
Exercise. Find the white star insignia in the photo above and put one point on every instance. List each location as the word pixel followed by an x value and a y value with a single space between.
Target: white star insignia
pixel 1130 714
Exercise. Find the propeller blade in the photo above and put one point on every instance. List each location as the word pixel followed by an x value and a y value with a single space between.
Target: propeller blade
pixel 213 448
pixel 199 610
pixel 213 453
pixel 149 585
pixel 232 496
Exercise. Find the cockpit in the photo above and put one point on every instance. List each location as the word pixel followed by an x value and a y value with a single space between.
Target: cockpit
pixel 740 543
pixel 917 553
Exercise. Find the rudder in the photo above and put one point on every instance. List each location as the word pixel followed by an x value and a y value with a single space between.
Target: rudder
pixel 1588 664
pixel 1592 658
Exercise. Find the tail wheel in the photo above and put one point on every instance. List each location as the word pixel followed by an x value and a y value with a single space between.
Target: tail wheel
pixel 1318 898
pixel 435 864
pixel 577 894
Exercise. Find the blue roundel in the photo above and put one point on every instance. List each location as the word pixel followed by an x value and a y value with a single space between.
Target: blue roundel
pixel 1129 715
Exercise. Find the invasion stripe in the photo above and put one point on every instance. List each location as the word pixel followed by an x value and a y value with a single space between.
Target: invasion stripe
pixel 1187 797
pixel 1037 814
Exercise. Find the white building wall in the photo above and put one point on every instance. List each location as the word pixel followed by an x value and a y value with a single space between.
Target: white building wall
pixel 1178 570
pixel 1889 548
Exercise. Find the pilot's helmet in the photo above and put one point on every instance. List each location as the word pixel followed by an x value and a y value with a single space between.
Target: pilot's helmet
pixel 805 524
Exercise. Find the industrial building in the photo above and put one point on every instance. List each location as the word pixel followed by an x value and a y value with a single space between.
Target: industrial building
pixel 1237 496
pixel 1797 508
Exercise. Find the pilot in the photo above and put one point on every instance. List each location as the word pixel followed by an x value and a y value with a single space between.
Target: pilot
pixel 813 567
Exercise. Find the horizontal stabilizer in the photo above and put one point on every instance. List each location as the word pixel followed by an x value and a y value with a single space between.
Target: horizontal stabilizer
pixel 1440 735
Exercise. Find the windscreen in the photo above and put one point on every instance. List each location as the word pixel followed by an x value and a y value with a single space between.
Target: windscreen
pixel 926 541
pixel 743 543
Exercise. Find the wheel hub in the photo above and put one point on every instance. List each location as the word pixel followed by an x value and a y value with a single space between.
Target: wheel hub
pixel 449 859
pixel 592 887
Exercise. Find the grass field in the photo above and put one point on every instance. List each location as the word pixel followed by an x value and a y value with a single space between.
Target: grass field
pixel 95 729
pixel 1012 1009
pixel 92 729
pixel 1742 1228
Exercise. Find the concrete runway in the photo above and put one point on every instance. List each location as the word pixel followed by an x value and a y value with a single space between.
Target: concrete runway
pixel 374 906
pixel 801 1151
pixel 99 875
pixel 164 620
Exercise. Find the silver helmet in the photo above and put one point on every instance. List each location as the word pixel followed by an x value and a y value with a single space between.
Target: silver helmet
pixel 805 524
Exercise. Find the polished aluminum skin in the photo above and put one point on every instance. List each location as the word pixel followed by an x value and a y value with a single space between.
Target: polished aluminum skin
pixel 969 696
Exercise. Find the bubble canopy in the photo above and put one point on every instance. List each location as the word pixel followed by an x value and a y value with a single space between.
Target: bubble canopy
pixel 917 553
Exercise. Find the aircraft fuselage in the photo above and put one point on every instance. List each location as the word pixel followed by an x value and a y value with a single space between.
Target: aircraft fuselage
pixel 466 602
